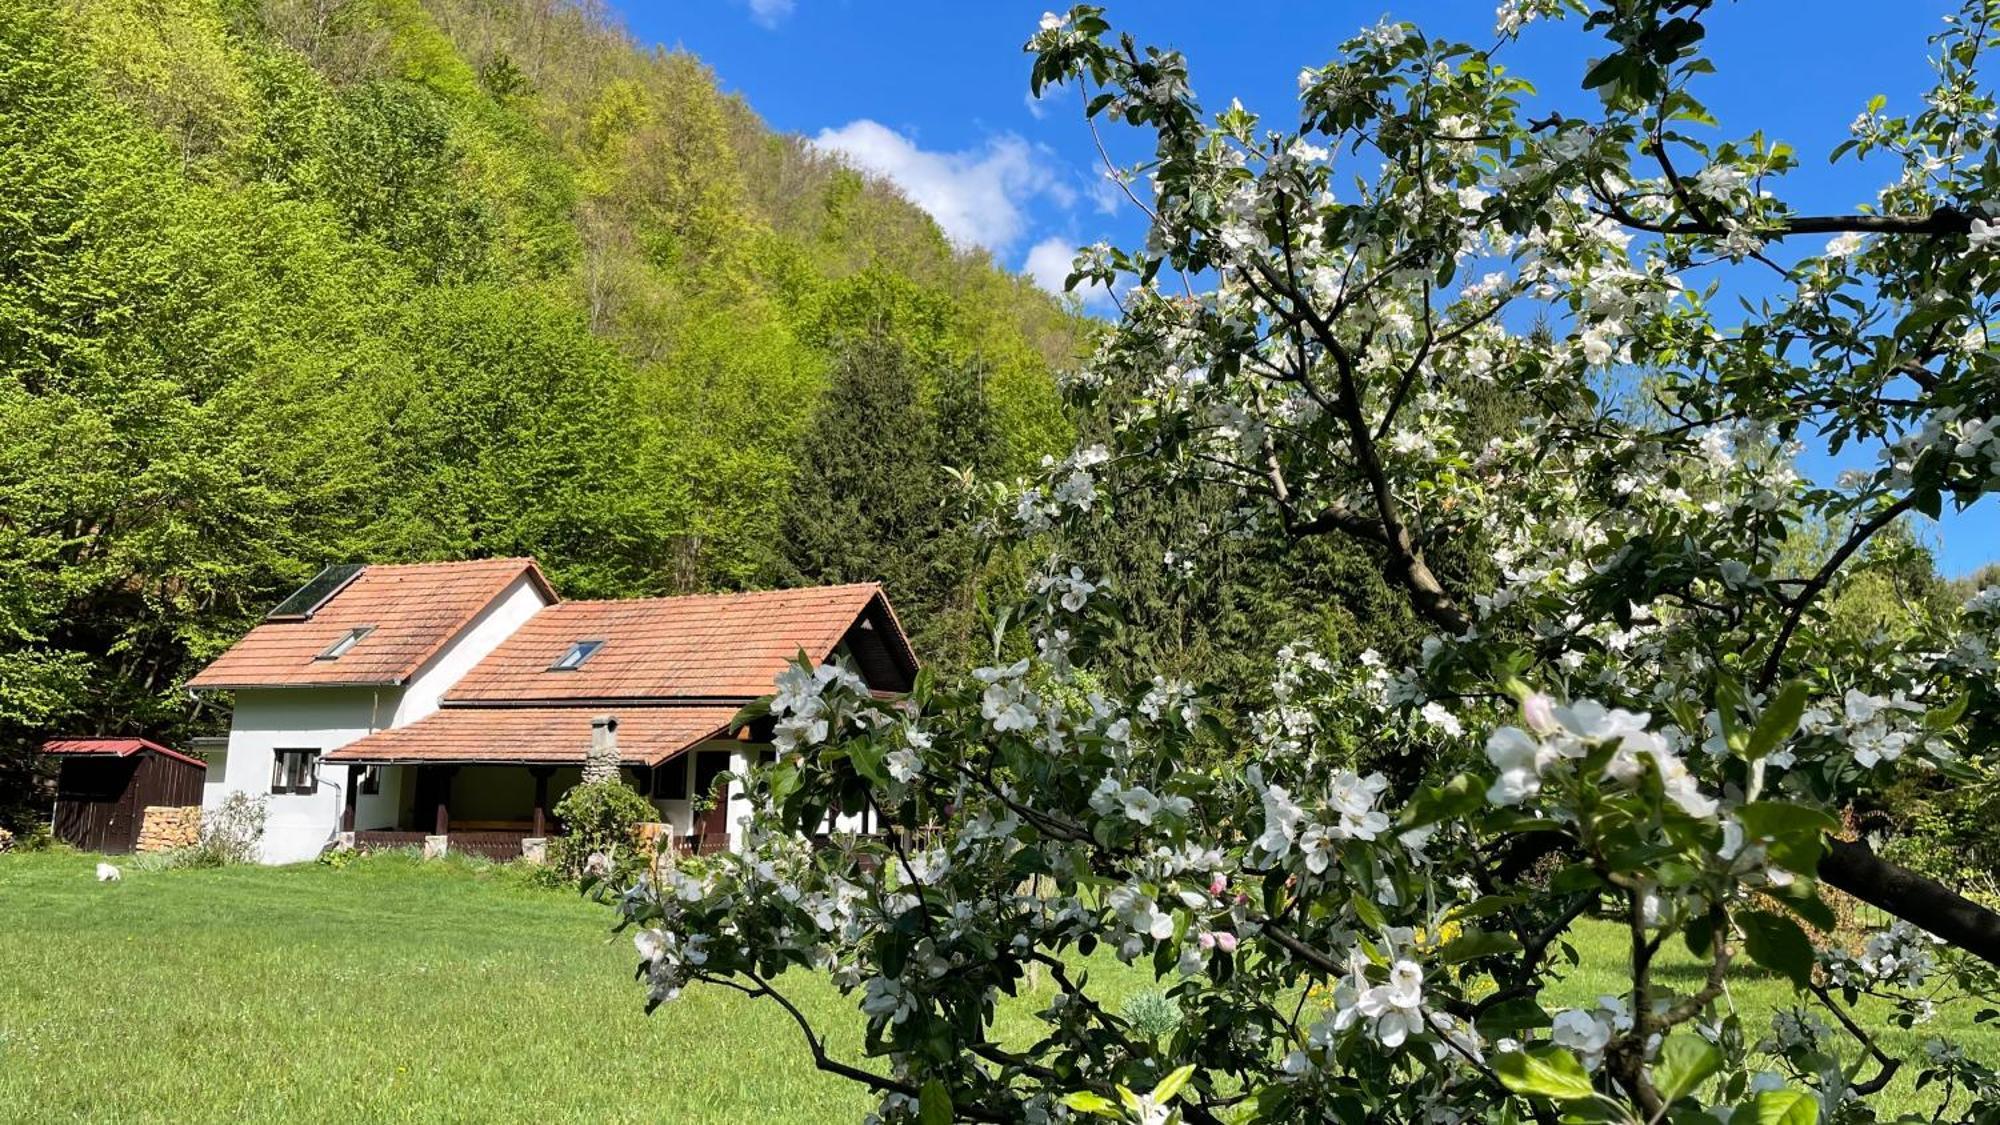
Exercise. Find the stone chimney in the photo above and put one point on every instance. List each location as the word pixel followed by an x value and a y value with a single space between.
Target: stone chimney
pixel 602 762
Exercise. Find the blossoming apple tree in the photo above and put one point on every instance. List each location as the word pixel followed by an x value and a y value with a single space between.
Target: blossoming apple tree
pixel 1418 315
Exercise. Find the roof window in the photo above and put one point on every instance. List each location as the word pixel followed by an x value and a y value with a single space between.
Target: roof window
pixel 578 652
pixel 314 595
pixel 347 640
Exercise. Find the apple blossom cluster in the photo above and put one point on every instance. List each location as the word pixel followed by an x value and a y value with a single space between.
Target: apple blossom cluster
pixel 1559 737
pixel 1489 349
pixel 800 703
pixel 1072 487
pixel 1901 955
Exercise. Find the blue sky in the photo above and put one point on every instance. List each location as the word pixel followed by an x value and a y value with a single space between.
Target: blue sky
pixel 934 95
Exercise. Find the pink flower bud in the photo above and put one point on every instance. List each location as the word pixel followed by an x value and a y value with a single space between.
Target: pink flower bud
pixel 1206 940
pixel 1217 885
pixel 1225 941
pixel 1539 712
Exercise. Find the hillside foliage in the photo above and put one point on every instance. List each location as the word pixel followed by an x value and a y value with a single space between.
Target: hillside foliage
pixel 288 282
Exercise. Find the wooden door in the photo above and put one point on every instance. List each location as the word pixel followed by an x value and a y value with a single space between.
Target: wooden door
pixel 96 808
pixel 711 825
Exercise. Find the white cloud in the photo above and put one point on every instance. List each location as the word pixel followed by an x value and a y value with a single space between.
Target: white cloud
pixel 1038 108
pixel 1048 266
pixel 770 13
pixel 1049 262
pixel 1106 196
pixel 975 195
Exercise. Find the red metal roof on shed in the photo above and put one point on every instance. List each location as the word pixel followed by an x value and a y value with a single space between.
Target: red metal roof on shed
pixel 538 735
pixel 721 646
pixel 414 610
pixel 116 747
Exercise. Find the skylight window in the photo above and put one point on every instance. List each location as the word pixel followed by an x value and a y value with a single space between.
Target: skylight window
pixel 347 640
pixel 577 654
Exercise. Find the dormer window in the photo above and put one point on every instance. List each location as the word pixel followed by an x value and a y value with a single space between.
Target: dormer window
pixel 577 654
pixel 347 640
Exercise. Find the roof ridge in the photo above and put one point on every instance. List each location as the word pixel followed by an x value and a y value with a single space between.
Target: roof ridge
pixel 726 594
pixel 441 564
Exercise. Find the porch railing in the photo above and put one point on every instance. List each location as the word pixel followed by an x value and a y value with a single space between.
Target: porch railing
pixel 493 844
pixel 500 845
pixel 382 839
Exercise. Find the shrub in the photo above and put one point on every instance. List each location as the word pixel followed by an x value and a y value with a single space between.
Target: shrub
pixel 599 819
pixel 36 837
pixel 1153 1014
pixel 230 833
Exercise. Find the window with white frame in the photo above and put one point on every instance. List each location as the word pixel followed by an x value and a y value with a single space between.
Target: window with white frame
pixel 344 642
pixel 295 772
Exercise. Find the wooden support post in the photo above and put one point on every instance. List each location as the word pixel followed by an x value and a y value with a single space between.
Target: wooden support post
pixel 444 800
pixel 541 774
pixel 353 793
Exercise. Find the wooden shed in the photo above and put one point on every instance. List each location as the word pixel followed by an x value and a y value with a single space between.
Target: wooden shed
pixel 106 785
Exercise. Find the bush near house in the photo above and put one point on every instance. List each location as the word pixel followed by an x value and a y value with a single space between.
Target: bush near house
pixel 600 821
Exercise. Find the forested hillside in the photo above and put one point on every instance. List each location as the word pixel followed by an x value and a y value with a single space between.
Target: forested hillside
pixel 284 282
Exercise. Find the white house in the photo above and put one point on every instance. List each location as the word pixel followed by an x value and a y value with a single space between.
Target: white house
pixel 459 700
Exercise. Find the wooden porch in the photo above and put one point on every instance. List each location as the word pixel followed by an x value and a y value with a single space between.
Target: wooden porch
pixel 428 814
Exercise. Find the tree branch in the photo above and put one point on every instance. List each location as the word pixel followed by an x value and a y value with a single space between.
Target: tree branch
pixel 1943 221
pixel 1819 581
pixel 1853 866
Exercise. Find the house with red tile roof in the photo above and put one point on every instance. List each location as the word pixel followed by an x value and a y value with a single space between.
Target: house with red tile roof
pixel 452 704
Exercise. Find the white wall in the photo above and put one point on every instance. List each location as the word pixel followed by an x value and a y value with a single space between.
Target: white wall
pixel 214 751
pixel 495 623
pixel 325 719
pixel 322 719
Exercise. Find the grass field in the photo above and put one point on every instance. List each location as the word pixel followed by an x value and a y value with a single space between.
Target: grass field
pixel 394 990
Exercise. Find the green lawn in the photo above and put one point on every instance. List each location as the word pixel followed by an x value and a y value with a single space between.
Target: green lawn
pixel 396 990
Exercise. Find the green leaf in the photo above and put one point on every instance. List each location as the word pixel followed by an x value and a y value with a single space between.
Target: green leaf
pixel 934 1104
pixel 1794 832
pixel 1171 1085
pixel 1369 913
pixel 1699 933
pixel 1511 1017
pixel 1086 1102
pixel 1476 943
pixel 1686 1061
pixel 1777 943
pixel 1451 801
pixel 1604 71
pixel 1778 1107
pixel 1943 718
pixel 1547 1072
pixel 1779 720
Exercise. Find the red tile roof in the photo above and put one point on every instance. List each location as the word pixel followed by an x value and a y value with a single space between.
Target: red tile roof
pixel 414 609
pixel 723 646
pixel 538 735
pixel 118 747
